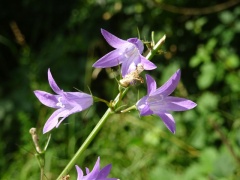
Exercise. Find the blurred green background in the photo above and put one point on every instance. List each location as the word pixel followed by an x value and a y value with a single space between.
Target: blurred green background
pixel 202 39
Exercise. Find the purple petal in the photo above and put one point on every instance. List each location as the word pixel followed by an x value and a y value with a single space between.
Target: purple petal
pixel 77 99
pixel 97 165
pixel 178 104
pixel 52 121
pixel 170 85
pixel 113 40
pixel 168 121
pixel 165 104
pixel 151 84
pixel 47 99
pixel 93 174
pixel 104 172
pixel 138 43
pixel 75 109
pixel 53 84
pixel 147 65
pixel 111 59
pixel 128 66
pixel 96 173
pixel 87 170
pixel 132 59
pixel 79 172
pixel 143 107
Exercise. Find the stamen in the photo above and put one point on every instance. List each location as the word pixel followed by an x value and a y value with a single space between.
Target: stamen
pixel 60 104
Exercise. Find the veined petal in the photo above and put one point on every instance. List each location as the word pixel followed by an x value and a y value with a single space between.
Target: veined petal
pixel 143 107
pixel 53 84
pixel 53 119
pixel 147 65
pixel 178 104
pixel 138 43
pixel 151 84
pixel 145 110
pixel 111 59
pixel 132 59
pixel 168 121
pixel 82 100
pixel 96 173
pixel 73 110
pixel 104 172
pixel 79 172
pixel 170 85
pixel 93 174
pixel 113 40
pixel 97 165
pixel 128 66
pixel 47 99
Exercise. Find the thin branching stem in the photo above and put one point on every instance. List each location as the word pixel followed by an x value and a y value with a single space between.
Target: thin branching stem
pixel 101 122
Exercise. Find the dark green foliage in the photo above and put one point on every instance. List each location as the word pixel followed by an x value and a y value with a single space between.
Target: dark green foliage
pixel 65 36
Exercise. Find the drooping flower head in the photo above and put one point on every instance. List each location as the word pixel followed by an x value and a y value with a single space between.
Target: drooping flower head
pixel 157 101
pixel 66 103
pixel 127 52
pixel 96 173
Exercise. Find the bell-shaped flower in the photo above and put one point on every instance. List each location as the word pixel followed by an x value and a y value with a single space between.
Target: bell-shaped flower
pixel 127 52
pixel 96 173
pixel 66 103
pixel 157 101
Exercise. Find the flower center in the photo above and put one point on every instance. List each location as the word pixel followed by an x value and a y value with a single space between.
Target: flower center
pixel 130 52
pixel 155 99
pixel 156 103
pixel 60 104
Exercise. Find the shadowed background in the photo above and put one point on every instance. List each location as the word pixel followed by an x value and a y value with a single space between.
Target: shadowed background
pixel 202 40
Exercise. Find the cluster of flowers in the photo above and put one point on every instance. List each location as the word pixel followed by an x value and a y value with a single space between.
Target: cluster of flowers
pixel 128 53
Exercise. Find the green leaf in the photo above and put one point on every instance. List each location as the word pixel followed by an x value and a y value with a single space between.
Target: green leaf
pixel 232 61
pixel 195 61
pixel 207 159
pixel 207 102
pixel 224 165
pixel 226 17
pixel 211 44
pixel 208 73
pixel 232 80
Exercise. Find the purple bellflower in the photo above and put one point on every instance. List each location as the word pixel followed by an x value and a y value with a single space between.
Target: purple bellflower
pixel 127 52
pixel 66 103
pixel 96 173
pixel 157 101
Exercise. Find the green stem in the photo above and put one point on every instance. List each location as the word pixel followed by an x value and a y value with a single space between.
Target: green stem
pixel 155 48
pixel 104 118
pixel 96 99
pixel 86 143
pixel 129 109
pixel 42 173
pixel 90 137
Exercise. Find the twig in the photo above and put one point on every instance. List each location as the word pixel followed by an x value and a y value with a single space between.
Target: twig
pixel 197 11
